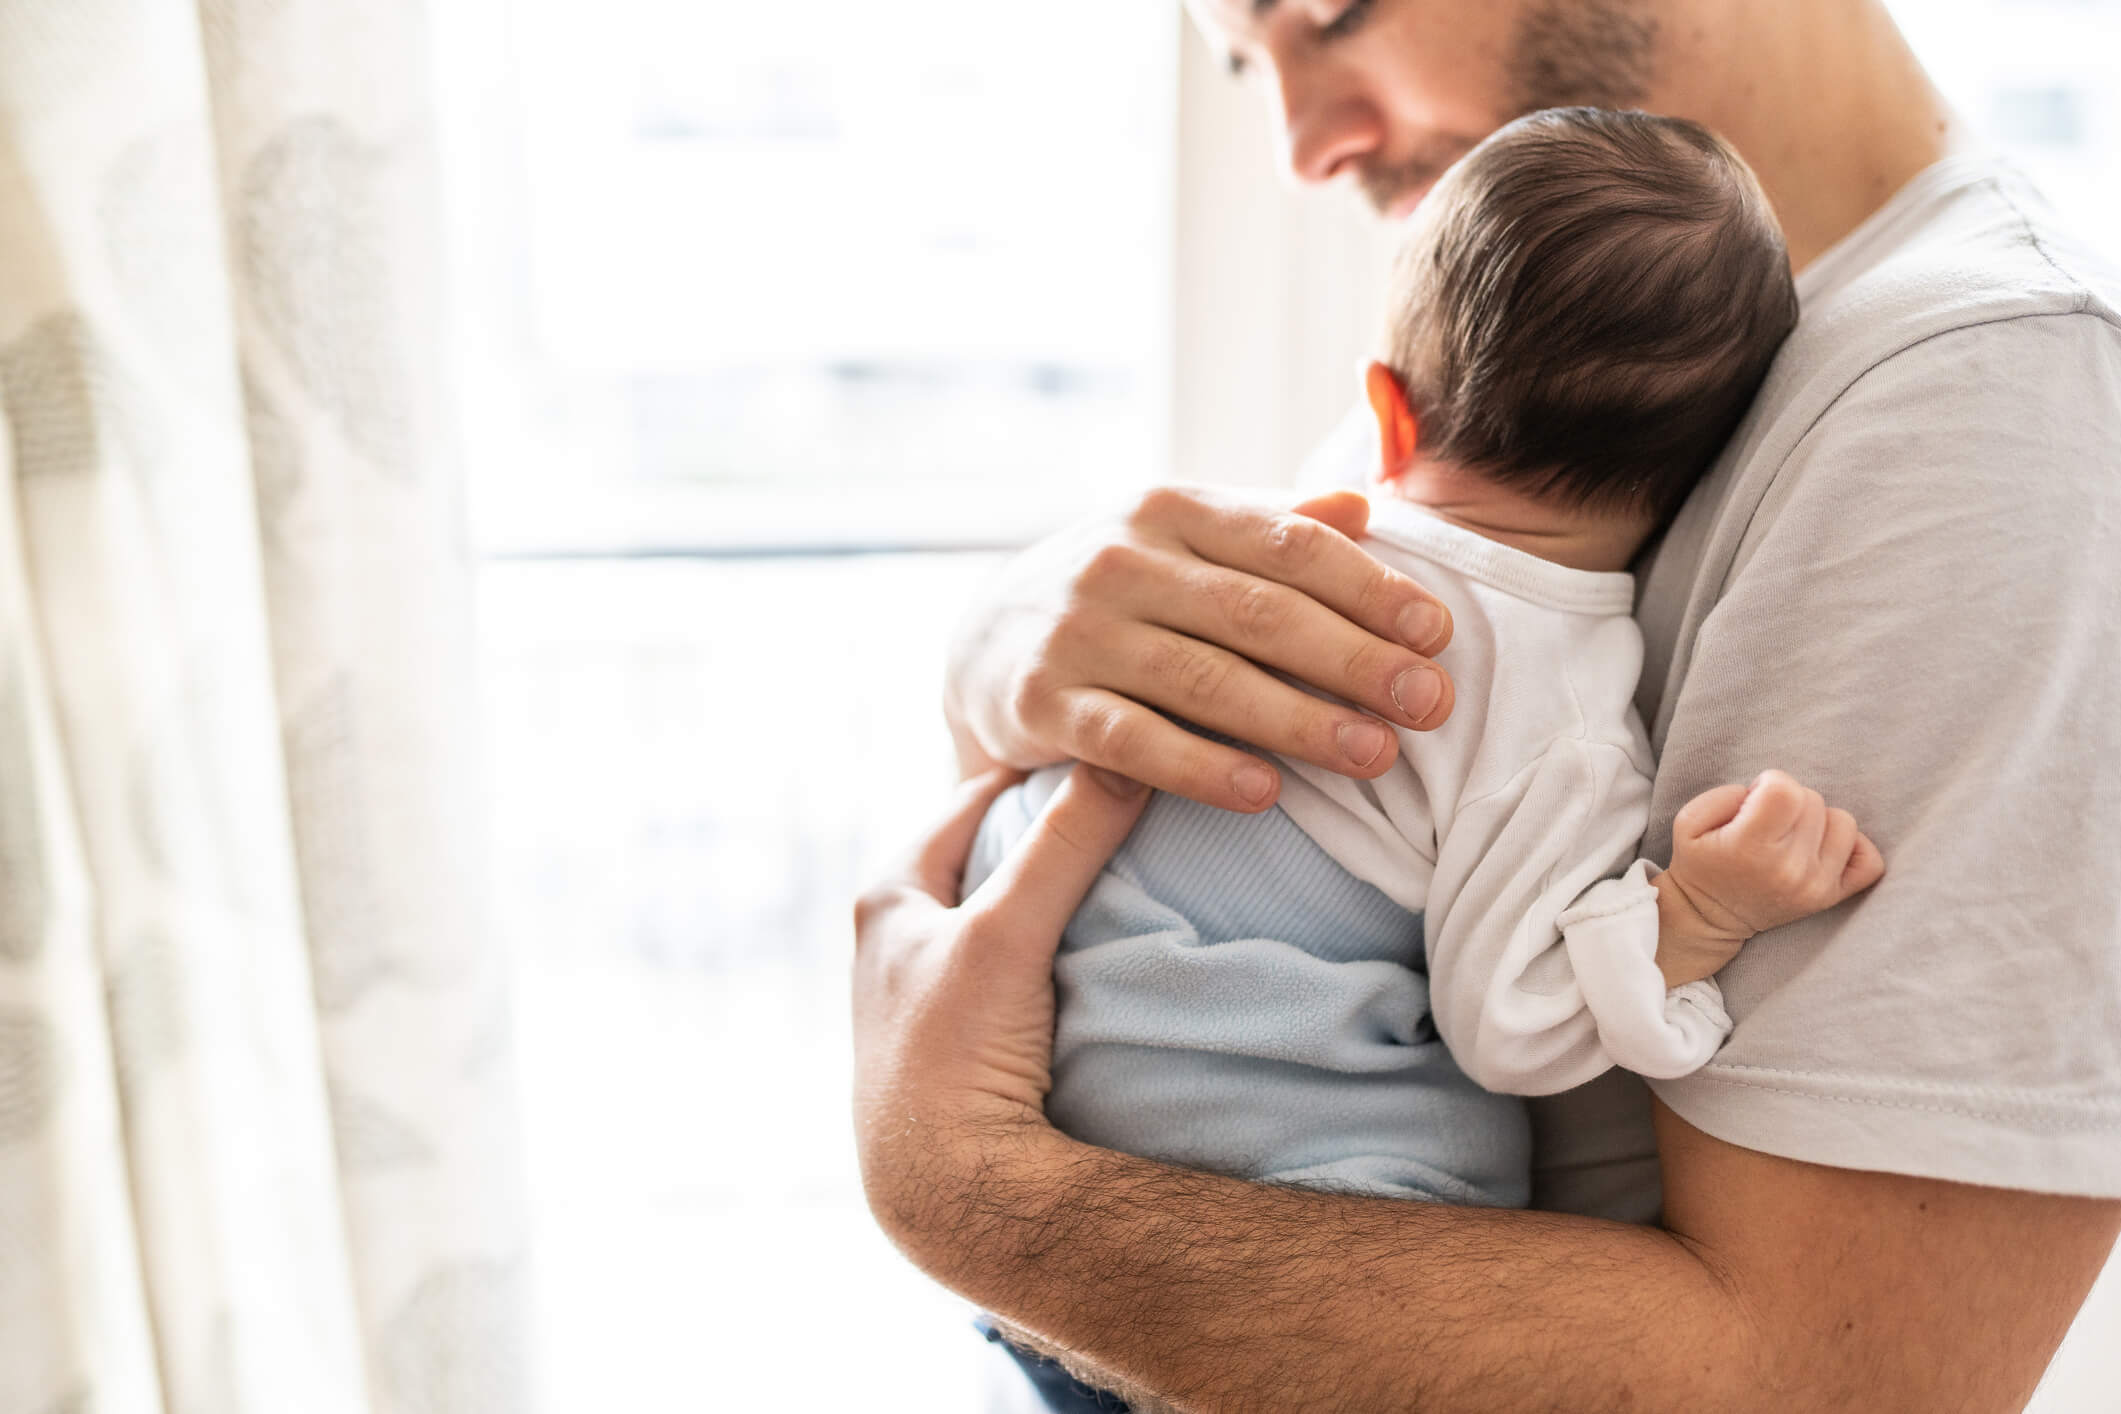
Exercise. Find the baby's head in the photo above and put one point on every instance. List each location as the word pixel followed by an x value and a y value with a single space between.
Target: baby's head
pixel 1585 306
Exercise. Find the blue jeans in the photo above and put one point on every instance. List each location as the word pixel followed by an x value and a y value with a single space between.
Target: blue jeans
pixel 1063 1393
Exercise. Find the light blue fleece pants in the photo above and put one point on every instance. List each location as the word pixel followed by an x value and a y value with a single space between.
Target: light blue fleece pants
pixel 1231 999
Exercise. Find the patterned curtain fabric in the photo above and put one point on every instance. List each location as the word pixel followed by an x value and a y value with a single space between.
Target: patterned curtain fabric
pixel 257 1137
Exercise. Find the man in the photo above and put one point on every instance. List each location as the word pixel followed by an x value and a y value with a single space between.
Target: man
pixel 1896 1184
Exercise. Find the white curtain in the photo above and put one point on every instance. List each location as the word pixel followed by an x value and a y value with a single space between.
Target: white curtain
pixel 257 1134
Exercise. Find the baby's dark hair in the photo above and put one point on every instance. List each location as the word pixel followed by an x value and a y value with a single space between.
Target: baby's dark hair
pixel 1587 306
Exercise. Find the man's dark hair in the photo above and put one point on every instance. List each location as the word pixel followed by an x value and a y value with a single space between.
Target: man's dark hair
pixel 1587 306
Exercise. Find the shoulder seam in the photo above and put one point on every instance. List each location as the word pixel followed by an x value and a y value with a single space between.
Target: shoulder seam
pixel 2032 238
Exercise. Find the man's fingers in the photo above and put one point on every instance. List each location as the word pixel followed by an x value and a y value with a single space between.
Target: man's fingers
pixel 929 878
pixel 1286 629
pixel 1346 511
pixel 1711 810
pixel 938 864
pixel 1039 886
pixel 1307 555
pixel 1226 692
pixel 1120 735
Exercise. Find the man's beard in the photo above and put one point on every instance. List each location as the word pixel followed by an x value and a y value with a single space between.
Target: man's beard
pixel 1566 53
pixel 1386 187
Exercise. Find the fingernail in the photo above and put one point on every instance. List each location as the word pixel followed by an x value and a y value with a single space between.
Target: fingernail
pixel 1417 691
pixel 1253 782
pixel 1420 625
pixel 1124 787
pixel 1362 742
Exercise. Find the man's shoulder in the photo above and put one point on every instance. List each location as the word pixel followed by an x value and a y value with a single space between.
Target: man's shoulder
pixel 1966 356
pixel 1981 253
pixel 1968 330
pixel 1987 241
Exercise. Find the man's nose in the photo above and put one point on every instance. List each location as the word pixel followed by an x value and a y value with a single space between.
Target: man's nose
pixel 1325 126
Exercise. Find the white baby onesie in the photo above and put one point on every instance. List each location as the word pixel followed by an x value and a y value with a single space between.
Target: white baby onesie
pixel 1512 827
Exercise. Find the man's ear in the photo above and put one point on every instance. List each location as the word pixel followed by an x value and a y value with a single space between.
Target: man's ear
pixel 1396 428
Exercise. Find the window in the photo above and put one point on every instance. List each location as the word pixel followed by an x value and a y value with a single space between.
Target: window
pixel 2042 80
pixel 753 295
pixel 810 276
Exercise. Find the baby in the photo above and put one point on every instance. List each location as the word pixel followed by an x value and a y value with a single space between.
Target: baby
pixel 1346 990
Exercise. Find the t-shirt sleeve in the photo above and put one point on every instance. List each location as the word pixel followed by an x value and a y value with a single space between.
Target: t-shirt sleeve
pixel 1542 971
pixel 1924 623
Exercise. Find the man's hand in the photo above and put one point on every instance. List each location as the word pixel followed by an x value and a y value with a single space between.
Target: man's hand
pixel 1179 608
pixel 953 1001
pixel 1749 858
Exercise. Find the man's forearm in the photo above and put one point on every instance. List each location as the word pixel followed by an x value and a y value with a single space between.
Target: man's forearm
pixel 1227 1296
pixel 1779 1285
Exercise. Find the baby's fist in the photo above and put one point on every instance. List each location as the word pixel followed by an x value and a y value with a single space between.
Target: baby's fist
pixel 1751 858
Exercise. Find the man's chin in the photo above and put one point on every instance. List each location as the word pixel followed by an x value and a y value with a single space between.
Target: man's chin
pixel 1396 189
pixel 1400 208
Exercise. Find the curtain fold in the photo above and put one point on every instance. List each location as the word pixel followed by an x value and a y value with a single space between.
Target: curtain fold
pixel 257 1118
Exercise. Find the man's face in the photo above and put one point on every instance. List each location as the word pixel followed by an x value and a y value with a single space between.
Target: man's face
pixel 1388 93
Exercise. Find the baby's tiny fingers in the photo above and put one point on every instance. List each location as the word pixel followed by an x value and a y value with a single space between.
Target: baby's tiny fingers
pixel 1839 838
pixel 1866 866
pixel 1710 810
pixel 1771 807
pixel 1811 820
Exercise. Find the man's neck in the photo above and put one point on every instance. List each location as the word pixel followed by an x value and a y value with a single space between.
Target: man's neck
pixel 1824 99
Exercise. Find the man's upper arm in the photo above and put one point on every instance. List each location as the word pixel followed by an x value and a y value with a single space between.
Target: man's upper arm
pixel 1921 623
pixel 1878 1291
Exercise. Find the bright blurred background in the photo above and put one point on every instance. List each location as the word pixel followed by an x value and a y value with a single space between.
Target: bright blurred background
pixel 781 325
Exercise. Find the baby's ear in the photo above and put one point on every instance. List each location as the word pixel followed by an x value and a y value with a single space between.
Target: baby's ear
pixel 1397 431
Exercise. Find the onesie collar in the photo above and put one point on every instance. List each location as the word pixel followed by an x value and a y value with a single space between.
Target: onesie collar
pixel 1504 567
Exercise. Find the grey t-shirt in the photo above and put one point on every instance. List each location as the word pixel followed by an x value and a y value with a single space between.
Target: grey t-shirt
pixel 1902 583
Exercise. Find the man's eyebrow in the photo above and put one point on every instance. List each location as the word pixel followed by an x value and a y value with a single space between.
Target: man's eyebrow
pixel 1260 7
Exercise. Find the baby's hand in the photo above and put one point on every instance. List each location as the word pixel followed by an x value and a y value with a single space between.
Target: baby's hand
pixel 1749 858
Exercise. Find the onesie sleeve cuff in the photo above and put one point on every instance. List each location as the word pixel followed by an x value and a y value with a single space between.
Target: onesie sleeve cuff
pixel 1611 935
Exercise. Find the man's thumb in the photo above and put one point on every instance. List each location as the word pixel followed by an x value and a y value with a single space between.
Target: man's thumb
pixel 1039 886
